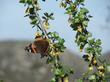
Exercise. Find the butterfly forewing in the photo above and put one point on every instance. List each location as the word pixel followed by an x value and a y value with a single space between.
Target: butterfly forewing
pixel 38 46
pixel 42 46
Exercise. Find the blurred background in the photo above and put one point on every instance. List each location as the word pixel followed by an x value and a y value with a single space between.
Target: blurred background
pixel 16 33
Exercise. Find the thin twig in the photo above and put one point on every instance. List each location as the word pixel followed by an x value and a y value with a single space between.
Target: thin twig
pixel 41 25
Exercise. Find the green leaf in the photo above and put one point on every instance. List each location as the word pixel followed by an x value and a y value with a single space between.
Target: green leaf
pixel 53 80
pixel 98 50
pixel 44 17
pixel 92 41
pixel 59 72
pixel 22 1
pixel 68 10
pixel 79 80
pixel 92 77
pixel 49 60
pixel 46 14
pixel 85 23
pixel 81 16
pixel 80 1
pixel 44 0
pixel 108 68
pixel 98 42
pixel 32 17
pixel 29 2
pixel 51 14
pixel 63 5
pixel 89 49
pixel 89 34
pixel 61 41
pixel 34 21
pixel 84 11
pixel 62 48
pixel 82 38
pixel 76 20
pixel 90 16
pixel 52 18
pixel 68 70
pixel 31 10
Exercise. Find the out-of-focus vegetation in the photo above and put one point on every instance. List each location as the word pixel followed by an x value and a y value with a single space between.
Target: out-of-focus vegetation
pixel 79 18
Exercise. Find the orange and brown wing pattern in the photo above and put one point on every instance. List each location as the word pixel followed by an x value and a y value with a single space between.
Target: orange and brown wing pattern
pixel 42 46
pixel 38 46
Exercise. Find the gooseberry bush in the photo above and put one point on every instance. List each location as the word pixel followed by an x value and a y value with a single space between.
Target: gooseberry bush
pixel 51 45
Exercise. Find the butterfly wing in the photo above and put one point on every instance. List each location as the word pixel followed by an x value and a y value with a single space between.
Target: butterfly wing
pixel 42 46
pixel 38 46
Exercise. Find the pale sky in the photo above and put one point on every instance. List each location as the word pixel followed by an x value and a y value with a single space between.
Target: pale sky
pixel 13 25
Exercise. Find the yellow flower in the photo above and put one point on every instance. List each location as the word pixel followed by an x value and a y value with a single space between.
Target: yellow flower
pixel 51 52
pixel 94 62
pixel 81 49
pixel 101 73
pixel 58 53
pixel 54 53
pixel 79 29
pixel 75 9
pixel 46 25
pixel 89 57
pixel 65 79
pixel 101 67
pixel 38 34
pixel 101 70
pixel 63 5
pixel 90 68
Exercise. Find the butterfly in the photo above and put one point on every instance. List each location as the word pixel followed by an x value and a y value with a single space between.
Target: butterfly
pixel 40 45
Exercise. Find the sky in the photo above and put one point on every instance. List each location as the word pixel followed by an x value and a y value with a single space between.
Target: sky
pixel 13 25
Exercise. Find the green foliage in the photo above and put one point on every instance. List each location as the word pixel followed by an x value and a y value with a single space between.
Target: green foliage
pixel 26 1
pixel 22 1
pixel 48 16
pixel 79 18
pixel 56 43
pixel 108 67
pixel 53 80
pixel 79 80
